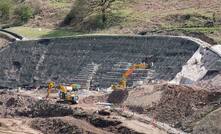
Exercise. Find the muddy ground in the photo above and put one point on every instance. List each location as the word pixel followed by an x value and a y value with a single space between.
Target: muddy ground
pixel 180 109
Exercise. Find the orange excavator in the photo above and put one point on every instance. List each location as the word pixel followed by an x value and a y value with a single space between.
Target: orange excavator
pixel 123 82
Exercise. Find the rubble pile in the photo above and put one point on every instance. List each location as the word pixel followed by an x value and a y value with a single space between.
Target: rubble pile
pixel 12 104
pixel 55 126
pixel 182 105
pixel 210 124
pixel 44 109
pixel 118 96
pixel 17 105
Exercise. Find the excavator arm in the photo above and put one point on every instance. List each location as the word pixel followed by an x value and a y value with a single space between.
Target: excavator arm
pixel 131 69
pixel 123 82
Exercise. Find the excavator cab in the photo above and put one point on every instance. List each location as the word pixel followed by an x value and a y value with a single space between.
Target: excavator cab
pixel 73 98
pixel 65 93
pixel 120 86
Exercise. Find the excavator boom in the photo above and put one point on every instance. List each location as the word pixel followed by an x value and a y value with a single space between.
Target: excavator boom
pixel 123 83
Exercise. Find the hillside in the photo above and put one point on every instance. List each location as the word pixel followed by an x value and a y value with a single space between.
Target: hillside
pixel 127 72
pixel 200 18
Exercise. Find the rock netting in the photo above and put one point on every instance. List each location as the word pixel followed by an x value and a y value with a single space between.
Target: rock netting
pixel 33 63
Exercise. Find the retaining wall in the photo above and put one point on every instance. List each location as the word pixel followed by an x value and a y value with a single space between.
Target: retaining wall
pixel 73 59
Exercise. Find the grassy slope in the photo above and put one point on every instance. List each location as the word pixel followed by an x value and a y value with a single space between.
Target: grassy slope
pixel 30 33
pixel 164 15
pixel 137 16
pixel 46 24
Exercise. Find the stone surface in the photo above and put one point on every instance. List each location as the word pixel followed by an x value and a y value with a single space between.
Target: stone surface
pixel 203 61
pixel 91 58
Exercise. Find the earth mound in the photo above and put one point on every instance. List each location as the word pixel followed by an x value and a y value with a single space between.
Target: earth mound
pixel 178 105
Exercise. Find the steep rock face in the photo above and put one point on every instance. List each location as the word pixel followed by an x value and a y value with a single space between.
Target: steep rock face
pixel 72 59
pixel 200 66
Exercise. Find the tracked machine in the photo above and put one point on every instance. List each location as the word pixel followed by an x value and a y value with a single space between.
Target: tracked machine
pixel 66 93
pixel 119 93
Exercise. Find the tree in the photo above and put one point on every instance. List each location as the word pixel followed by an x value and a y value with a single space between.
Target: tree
pixel 85 8
pixel 80 10
pixel 101 6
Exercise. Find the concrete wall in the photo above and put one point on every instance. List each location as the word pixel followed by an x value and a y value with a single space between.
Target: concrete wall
pixel 73 59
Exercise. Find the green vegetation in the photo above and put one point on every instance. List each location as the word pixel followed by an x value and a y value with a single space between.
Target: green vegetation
pixel 112 17
pixel 199 29
pixel 60 4
pixel 92 15
pixel 5 9
pixel 42 32
pixel 24 12
pixel 15 13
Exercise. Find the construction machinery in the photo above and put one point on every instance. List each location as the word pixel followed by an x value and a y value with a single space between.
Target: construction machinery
pixel 123 82
pixel 65 93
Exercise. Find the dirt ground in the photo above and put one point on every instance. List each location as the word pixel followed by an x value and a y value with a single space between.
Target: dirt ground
pixel 179 106
pixel 143 110
pixel 21 113
pixel 16 126
pixel 3 42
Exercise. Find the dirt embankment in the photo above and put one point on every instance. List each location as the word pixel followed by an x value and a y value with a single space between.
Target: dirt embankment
pixel 50 117
pixel 13 105
pixel 211 124
pixel 43 115
pixel 179 106
pixel 182 107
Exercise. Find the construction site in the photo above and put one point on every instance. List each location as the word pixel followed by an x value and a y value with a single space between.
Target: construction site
pixel 102 84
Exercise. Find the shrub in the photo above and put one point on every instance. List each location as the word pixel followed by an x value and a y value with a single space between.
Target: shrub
pixel 5 7
pixel 24 12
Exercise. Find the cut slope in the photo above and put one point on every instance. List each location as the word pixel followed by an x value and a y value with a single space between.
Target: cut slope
pixel 200 65
pixel 33 63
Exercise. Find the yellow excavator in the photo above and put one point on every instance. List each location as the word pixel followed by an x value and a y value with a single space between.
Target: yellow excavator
pixel 66 93
pixel 123 82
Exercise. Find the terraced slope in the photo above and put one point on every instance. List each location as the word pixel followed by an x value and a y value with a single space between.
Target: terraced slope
pixel 33 63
